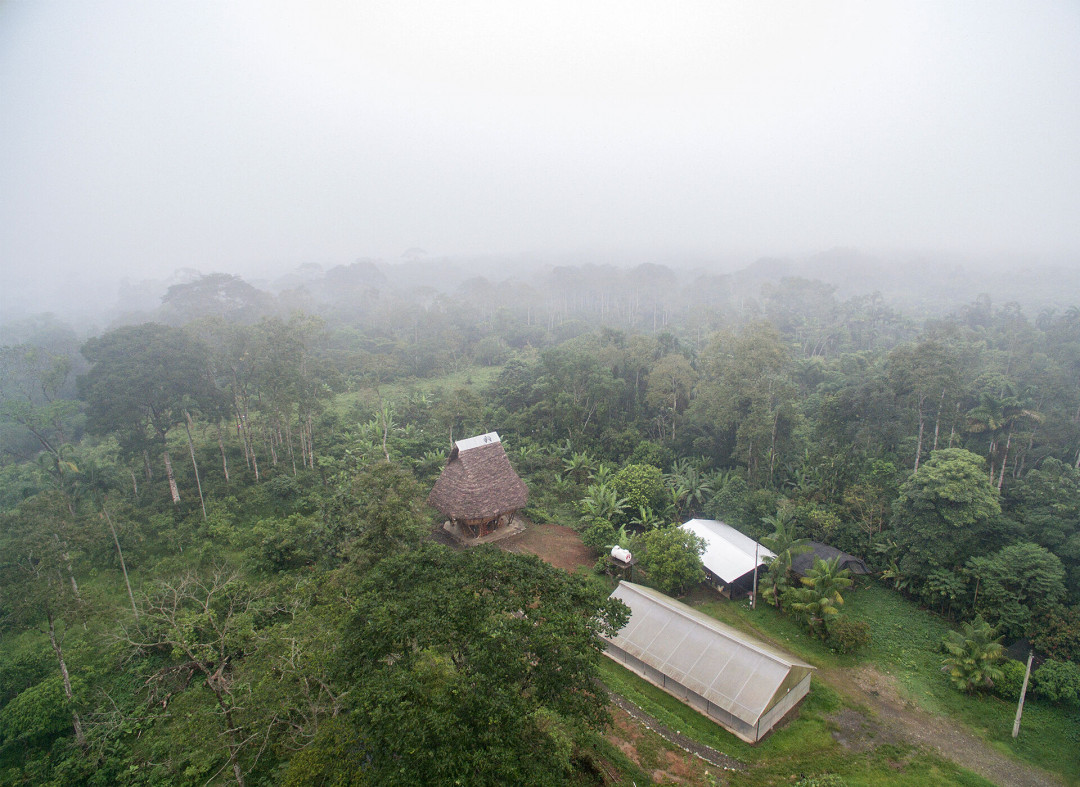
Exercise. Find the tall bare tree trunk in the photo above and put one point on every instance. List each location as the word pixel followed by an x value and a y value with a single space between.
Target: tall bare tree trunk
pixel 76 722
pixel 772 447
pixel 123 565
pixel 221 447
pixel 67 564
pixel 255 463
pixel 245 436
pixel 172 479
pixel 289 443
pixel 194 464
pixel 937 419
pixel 311 439
pixel 1004 461
pixel 1019 469
pixel 918 446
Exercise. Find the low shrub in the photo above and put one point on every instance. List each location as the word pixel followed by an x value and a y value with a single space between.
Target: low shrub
pixel 599 534
pixel 1058 681
pixel 847 636
pixel 1010 683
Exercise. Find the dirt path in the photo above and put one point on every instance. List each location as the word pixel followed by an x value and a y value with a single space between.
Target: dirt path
pixel 893 719
pixel 707 753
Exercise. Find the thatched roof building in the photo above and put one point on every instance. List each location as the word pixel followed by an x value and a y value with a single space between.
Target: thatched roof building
pixel 478 489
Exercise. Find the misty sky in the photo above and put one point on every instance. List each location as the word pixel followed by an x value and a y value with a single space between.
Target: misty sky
pixel 139 137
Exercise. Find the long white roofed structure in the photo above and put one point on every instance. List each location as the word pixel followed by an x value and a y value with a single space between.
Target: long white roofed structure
pixel 741 683
pixel 729 556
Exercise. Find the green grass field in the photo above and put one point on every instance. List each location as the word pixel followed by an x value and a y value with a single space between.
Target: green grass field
pixel 804 746
pixel 905 643
pixel 473 378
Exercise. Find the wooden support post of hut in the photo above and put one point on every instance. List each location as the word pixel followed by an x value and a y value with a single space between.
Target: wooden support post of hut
pixel 478 490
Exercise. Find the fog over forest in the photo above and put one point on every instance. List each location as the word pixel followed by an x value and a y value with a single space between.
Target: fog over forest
pixel 592 393
pixel 138 140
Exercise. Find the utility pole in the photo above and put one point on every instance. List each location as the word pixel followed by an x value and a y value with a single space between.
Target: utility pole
pixel 753 597
pixel 1023 691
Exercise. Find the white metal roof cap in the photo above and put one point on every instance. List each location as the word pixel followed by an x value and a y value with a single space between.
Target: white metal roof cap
pixel 476 442
pixel 728 553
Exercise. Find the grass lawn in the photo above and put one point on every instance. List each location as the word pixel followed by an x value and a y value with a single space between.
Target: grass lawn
pixel 473 378
pixel 905 643
pixel 804 746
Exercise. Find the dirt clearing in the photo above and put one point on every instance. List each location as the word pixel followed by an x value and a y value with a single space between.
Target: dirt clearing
pixel 555 544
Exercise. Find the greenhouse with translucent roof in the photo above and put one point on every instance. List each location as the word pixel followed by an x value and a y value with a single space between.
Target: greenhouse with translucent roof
pixel 740 682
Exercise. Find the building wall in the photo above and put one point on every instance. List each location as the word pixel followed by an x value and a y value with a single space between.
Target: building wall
pixel 780 709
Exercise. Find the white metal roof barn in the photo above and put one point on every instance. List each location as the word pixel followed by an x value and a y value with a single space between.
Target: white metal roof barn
pixel 730 556
pixel 741 683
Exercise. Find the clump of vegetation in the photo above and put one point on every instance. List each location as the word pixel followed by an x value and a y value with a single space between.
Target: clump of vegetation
pixel 817 601
pixel 847 635
pixel 822 780
pixel 1058 681
pixel 672 559
pixel 1010 681
pixel 974 656
pixel 641 487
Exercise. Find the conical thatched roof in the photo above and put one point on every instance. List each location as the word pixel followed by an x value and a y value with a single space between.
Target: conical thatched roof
pixel 478 481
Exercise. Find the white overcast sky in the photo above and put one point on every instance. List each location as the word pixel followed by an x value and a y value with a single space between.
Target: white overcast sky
pixel 139 137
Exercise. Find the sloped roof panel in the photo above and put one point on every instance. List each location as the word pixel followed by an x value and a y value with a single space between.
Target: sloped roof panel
pixel 733 671
pixel 729 554
pixel 804 561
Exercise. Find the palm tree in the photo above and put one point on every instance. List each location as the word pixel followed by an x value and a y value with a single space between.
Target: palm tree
pixel 819 600
pixel 431 462
pixel 997 415
pixel 527 455
pixel 691 487
pixel 786 545
pixel 603 473
pixel 602 502
pixel 974 654
pixel 622 539
pixel 579 466
pixel 647 519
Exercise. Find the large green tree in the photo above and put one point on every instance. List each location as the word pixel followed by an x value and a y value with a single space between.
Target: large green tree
pixel 142 380
pixel 1046 504
pixel 746 393
pixel 673 559
pixel 475 667
pixel 1015 583
pixel 946 512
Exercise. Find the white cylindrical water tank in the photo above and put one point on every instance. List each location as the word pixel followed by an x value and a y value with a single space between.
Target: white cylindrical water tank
pixel 621 554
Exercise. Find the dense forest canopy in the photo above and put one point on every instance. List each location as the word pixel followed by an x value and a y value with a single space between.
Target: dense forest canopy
pixel 212 523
